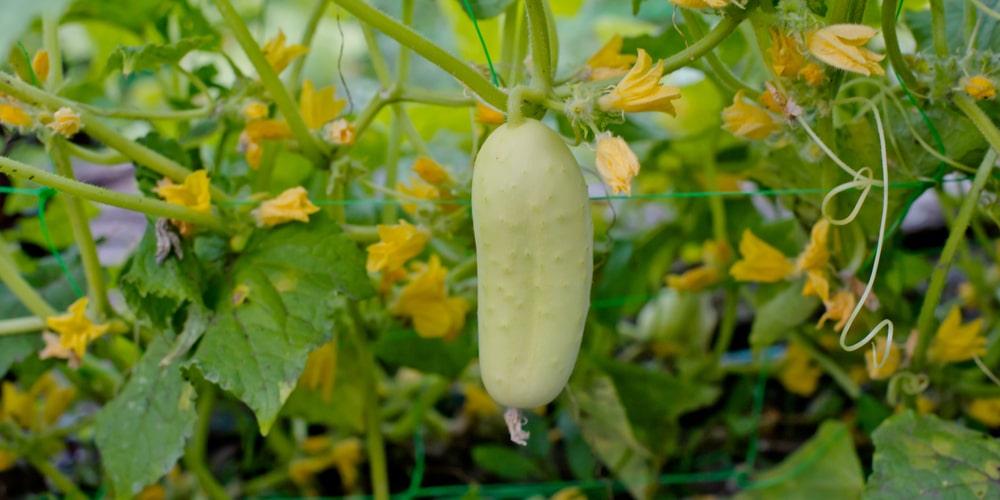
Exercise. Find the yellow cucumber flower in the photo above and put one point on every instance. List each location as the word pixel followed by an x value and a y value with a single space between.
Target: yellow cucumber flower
pixel 609 62
pixel 419 190
pixel 745 120
pixel 37 408
pixel 715 256
pixel 979 87
pixel 839 309
pixel 14 116
pixel 813 74
pixel 430 171
pixel 292 204
pixel 985 410
pixel 40 65
pixel 814 261
pixel 254 110
pixel 267 130
pixel 75 329
pixel 425 300
pixel 640 90
pixel 842 46
pixel 799 374
pixel 193 193
pixel 616 163
pixel 279 55
pixel 340 132
pixel 320 371
pixel 397 244
pixel 701 4
pixel 55 349
pixel 65 122
pixel 957 342
pixel 319 107
pixel 891 364
pixel 787 58
pixel 761 262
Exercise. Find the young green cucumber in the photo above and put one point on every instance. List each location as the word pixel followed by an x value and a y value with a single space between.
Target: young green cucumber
pixel 534 246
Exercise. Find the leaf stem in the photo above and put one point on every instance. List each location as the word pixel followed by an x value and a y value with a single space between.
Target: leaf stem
pixel 105 157
pixel 50 40
pixel 194 452
pixel 310 145
pixel 705 44
pixel 11 277
pixel 132 202
pixel 541 59
pixel 393 143
pixel 719 71
pixel 428 50
pixel 939 30
pixel 373 419
pixel 97 288
pixel 53 474
pixel 899 65
pixel 17 326
pixel 295 73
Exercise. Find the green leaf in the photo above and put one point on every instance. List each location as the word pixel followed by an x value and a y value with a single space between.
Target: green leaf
pixel 505 462
pixel 14 348
pixel 141 433
pixel 922 456
pixel 17 15
pixel 129 14
pixel 57 224
pixel 157 291
pixel 289 278
pixel 826 466
pixel 485 9
pixel 606 429
pixel 443 357
pixel 150 57
pixel 919 22
pixel 776 317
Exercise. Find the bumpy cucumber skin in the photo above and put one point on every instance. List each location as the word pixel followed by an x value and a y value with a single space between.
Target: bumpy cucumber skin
pixel 534 246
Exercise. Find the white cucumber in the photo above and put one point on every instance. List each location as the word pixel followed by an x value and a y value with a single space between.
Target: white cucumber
pixel 534 246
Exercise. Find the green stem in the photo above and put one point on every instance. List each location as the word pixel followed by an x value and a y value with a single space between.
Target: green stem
pixel 426 96
pixel 17 326
pixel 719 70
pixel 50 35
pixel 939 30
pixel 267 481
pixel 295 73
pixel 151 115
pixel 373 419
pixel 828 365
pixel 132 202
pixel 368 115
pixel 389 210
pixel 409 38
pixel 198 84
pixel 105 157
pixel 727 327
pixel 892 45
pixel 403 62
pixel 520 51
pixel 705 44
pixel 410 131
pixel 541 59
pixel 58 479
pixel 267 164
pixel 508 40
pixel 925 320
pixel 11 277
pixel 93 272
pixel 310 145
pixel 361 234
pixel 980 120
pixel 98 130
pixel 194 452
pixel 463 270
pixel 379 65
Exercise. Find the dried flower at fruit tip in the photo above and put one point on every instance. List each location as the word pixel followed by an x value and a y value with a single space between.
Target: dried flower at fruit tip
pixel 701 4
pixel 609 62
pixel 640 90
pixel 426 302
pixel 761 262
pixel 813 74
pixel 745 120
pixel 340 132
pixel 986 411
pixel 432 172
pixel 799 374
pixel 891 363
pixel 616 162
pixel 954 341
pixel 75 329
pixel 839 309
pixel 319 107
pixel 397 244
pixel 291 205
pixel 279 55
pixel 320 371
pixel 193 193
pixel 488 116
pixel 65 122
pixel 842 46
pixel 40 65
pixel 14 116
pixel 787 58
pixel 979 87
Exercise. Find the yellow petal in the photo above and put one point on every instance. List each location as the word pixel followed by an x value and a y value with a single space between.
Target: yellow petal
pixel 798 373
pixel 488 116
pixel 291 205
pixel 640 90
pixel 14 116
pixel 841 46
pixel 816 255
pixel 40 65
pixel 979 87
pixel 430 171
pixel 420 190
pixel 397 244
pixel 279 55
pixel 319 107
pixel 193 193
pixel 340 132
pixel 985 410
pixel 787 58
pixel 761 262
pixel 320 370
pixel 65 122
pixel 609 61
pixel 75 328
pixel 748 121
pixel 838 309
pixel 954 341
pixel 700 4
pixel 891 364
pixel 616 163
